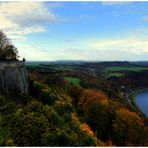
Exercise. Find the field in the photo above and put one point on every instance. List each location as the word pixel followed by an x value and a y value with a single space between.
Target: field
pixel 134 69
pixel 115 74
pixel 73 81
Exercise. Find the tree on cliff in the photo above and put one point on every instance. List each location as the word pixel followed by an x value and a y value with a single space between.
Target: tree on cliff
pixel 7 50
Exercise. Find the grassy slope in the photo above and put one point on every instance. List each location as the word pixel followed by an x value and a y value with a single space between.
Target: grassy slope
pixel 74 81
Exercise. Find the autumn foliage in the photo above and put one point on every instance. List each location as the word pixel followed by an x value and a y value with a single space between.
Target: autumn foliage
pixel 128 128
pixel 112 122
pixel 90 96
pixel 55 115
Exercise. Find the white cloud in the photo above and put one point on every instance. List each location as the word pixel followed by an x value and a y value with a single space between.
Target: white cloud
pixel 34 52
pixel 115 2
pixel 128 48
pixel 23 31
pixel 20 18
pixel 133 45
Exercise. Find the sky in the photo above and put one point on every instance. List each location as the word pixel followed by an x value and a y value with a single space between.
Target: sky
pixel 90 31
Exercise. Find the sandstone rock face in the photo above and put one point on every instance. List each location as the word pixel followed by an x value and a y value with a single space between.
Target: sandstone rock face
pixel 13 77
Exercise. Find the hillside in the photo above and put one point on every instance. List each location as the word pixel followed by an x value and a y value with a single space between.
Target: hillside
pixel 72 107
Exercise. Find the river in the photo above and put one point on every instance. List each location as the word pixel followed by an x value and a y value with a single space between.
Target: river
pixel 141 100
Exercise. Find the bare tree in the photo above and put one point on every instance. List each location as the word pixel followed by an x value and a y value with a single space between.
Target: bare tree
pixel 7 50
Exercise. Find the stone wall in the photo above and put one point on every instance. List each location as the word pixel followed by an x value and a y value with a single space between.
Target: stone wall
pixel 13 77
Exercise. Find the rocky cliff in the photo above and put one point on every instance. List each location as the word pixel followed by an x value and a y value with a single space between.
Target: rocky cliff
pixel 13 77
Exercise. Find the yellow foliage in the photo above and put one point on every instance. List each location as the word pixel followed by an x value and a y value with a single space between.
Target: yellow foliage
pixel 85 128
pixel 43 86
pixel 90 96
pixel 74 118
pixel 128 116
pixel 128 126
pixel 10 142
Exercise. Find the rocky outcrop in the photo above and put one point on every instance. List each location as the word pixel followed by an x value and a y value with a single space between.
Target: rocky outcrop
pixel 13 77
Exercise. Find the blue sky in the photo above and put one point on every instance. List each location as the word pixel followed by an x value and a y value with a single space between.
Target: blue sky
pixel 77 30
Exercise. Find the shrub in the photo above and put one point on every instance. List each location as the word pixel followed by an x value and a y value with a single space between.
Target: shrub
pixel 27 129
pixel 46 97
pixel 3 101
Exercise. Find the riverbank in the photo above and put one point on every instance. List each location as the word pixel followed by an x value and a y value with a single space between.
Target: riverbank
pixel 132 96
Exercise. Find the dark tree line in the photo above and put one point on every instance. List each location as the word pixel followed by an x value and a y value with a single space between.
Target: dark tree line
pixel 8 52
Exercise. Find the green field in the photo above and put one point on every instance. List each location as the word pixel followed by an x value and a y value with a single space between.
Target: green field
pixel 115 74
pixel 70 68
pixel 73 81
pixel 135 69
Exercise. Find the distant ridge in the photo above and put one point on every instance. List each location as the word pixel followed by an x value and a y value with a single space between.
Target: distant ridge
pixel 141 63
pixel 101 63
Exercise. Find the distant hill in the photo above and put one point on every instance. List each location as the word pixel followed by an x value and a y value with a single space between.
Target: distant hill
pixel 92 63
pixel 141 63
pixel 114 64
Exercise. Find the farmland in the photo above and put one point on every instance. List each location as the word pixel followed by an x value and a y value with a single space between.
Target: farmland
pixel 133 69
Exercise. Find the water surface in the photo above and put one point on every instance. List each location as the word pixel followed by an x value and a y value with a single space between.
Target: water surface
pixel 141 100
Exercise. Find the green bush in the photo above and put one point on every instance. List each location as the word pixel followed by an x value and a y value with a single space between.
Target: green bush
pixel 27 130
pixel 3 136
pixel 3 101
pixel 46 97
pixel 56 138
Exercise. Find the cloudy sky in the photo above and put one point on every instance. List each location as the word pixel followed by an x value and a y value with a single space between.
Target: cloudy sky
pixel 77 30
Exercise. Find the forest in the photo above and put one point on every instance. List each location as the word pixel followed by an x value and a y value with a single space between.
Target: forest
pixel 75 104
pixel 66 112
